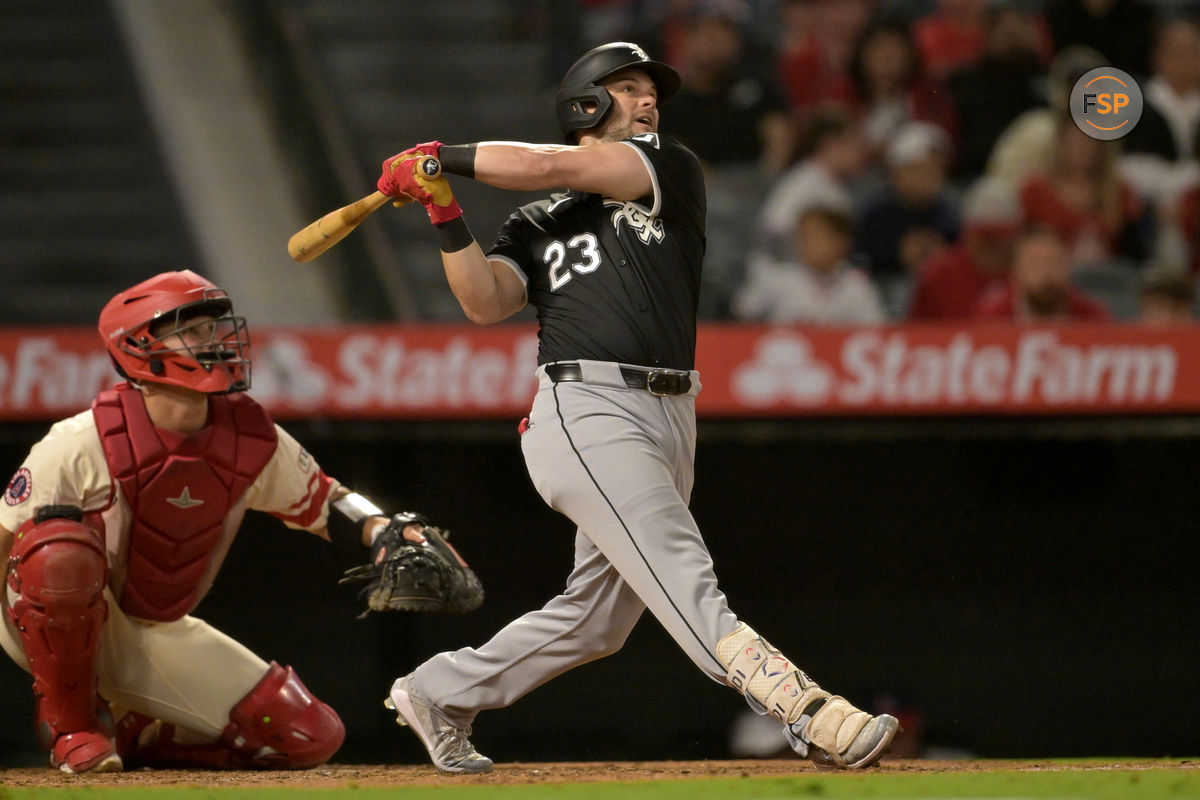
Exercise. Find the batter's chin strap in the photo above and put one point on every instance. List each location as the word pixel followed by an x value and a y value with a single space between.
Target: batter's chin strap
pixel 348 517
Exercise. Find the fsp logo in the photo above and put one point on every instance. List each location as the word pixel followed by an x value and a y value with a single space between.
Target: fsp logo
pixel 635 217
pixel 1106 103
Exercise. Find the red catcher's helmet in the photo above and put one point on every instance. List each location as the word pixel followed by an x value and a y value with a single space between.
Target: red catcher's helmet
pixel 581 85
pixel 208 348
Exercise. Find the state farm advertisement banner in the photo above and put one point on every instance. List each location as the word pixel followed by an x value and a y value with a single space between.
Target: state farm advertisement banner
pixel 464 371
pixel 945 369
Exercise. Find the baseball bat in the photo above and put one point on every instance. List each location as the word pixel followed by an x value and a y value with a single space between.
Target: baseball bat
pixel 317 237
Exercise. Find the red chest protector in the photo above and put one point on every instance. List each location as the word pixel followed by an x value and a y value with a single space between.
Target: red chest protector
pixel 180 490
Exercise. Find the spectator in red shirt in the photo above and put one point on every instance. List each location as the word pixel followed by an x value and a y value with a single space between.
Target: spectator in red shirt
pixel 951 283
pixel 815 41
pixel 1082 197
pixel 1182 221
pixel 1039 289
pixel 952 36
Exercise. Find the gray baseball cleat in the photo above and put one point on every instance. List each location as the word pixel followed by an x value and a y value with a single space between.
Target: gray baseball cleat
pixel 448 747
pixel 864 750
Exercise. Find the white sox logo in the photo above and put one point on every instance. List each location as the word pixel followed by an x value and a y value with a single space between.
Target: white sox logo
pixel 641 223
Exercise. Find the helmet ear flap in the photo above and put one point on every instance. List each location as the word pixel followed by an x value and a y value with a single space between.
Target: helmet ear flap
pixel 572 112
pixel 117 366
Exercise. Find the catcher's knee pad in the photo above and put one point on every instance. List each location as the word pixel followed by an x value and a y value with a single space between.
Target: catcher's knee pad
pixel 280 725
pixel 771 683
pixel 58 568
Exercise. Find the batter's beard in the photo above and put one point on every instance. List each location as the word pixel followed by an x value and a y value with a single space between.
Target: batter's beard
pixel 619 133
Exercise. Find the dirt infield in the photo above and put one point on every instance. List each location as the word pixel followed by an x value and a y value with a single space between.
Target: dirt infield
pixel 341 775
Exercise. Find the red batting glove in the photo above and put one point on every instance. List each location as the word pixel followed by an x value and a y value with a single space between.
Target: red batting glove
pixel 442 206
pixel 398 178
pixel 433 148
pixel 402 175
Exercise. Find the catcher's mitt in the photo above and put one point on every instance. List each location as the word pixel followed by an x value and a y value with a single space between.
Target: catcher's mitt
pixel 405 576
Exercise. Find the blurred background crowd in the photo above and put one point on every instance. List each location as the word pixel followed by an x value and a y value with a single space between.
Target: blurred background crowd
pixel 867 160
pixel 889 160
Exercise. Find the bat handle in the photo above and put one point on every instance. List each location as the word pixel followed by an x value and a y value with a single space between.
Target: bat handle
pixel 317 237
pixel 430 166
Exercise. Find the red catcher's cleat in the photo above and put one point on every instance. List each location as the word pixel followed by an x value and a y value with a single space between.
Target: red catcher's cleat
pixel 85 751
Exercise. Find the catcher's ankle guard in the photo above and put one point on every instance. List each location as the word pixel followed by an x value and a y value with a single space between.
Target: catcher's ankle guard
pixel 281 725
pixel 278 725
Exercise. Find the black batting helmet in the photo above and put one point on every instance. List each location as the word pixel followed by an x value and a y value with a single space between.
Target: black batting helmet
pixel 581 84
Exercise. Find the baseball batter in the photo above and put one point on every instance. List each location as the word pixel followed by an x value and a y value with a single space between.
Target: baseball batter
pixel 114 528
pixel 612 266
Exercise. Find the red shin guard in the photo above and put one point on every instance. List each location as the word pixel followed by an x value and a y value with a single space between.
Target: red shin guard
pixel 59 569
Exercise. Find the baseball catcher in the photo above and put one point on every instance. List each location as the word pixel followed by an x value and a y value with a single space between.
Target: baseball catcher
pixel 404 575
pixel 115 526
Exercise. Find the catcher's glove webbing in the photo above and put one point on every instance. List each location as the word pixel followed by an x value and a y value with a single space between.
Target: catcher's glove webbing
pixel 405 576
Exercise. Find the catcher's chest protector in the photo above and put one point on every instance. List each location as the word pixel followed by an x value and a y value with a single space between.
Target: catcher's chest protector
pixel 179 489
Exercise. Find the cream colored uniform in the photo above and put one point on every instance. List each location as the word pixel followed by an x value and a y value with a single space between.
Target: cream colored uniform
pixel 184 672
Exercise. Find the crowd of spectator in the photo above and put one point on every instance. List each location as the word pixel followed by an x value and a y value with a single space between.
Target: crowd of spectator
pixel 888 160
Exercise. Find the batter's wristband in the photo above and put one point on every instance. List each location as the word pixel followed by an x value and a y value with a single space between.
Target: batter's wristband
pixel 454 235
pixel 458 159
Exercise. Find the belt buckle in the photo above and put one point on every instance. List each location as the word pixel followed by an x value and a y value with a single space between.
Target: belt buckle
pixel 667 386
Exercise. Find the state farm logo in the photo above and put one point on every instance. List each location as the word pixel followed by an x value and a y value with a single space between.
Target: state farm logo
pixel 285 372
pixel 883 368
pixel 374 371
pixel 783 369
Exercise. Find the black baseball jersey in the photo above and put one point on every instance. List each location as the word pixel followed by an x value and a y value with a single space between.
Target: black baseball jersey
pixel 612 280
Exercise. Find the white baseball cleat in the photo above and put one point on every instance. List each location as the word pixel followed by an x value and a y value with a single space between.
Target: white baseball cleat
pixel 449 748
pixel 863 750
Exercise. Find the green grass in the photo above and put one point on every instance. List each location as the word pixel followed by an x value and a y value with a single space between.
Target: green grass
pixel 1065 782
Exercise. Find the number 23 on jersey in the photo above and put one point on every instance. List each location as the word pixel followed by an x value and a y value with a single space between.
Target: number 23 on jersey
pixel 578 256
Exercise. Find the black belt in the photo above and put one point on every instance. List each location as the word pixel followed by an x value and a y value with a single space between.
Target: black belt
pixel 659 382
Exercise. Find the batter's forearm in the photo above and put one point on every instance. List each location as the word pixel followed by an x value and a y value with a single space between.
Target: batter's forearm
pixel 611 169
pixel 505 165
pixel 483 297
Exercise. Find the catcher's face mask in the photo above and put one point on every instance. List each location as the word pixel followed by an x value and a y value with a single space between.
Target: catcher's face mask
pixel 178 328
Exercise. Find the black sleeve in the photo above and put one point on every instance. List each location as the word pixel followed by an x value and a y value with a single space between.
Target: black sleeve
pixel 511 244
pixel 678 194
